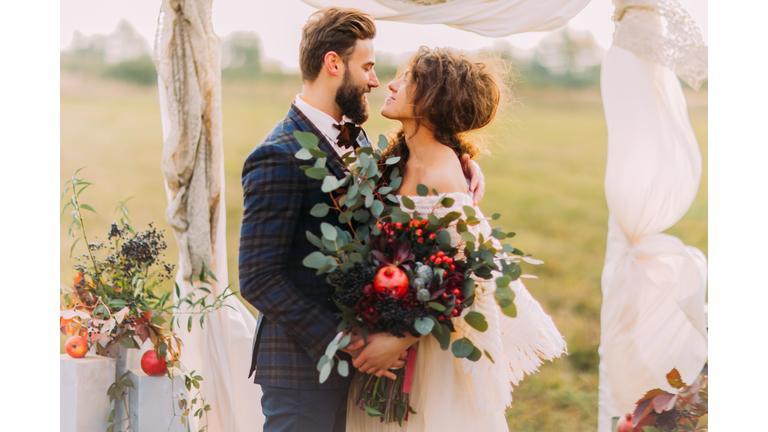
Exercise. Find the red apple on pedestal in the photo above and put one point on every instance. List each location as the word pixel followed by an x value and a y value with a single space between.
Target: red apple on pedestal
pixel 152 365
pixel 76 347
pixel 625 424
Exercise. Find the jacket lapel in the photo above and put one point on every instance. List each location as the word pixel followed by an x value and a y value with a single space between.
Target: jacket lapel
pixel 333 161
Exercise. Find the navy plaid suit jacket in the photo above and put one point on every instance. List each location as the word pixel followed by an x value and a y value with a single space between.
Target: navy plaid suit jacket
pixel 296 314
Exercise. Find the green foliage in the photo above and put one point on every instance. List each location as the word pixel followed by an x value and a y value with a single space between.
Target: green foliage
pixel 138 71
pixel 113 301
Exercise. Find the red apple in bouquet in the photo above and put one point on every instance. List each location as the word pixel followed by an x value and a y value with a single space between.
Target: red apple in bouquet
pixel 152 365
pixel 391 279
pixel 625 424
pixel 76 347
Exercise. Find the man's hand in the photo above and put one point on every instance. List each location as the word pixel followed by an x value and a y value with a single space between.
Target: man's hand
pixel 475 176
pixel 383 352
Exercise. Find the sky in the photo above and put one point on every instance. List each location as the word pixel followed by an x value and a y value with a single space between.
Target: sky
pixel 279 24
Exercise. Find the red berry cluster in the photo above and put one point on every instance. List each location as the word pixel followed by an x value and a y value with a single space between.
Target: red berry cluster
pixel 414 228
pixel 441 260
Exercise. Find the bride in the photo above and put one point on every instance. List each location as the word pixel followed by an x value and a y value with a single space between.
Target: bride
pixel 439 97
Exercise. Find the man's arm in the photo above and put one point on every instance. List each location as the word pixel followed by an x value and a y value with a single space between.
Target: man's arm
pixel 476 179
pixel 272 185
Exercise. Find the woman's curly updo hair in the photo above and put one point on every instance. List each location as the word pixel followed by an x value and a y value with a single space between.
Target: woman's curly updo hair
pixel 453 94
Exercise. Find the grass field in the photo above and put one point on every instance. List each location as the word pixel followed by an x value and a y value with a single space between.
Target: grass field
pixel 545 177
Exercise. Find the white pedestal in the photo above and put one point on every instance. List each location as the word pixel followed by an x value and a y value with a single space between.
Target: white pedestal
pixel 154 401
pixel 83 401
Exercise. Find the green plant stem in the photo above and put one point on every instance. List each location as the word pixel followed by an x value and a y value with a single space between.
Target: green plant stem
pixel 82 228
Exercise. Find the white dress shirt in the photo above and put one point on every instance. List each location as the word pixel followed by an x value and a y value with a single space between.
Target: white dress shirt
pixel 323 122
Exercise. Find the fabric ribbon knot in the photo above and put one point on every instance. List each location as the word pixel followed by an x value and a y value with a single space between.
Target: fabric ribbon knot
pixel 348 133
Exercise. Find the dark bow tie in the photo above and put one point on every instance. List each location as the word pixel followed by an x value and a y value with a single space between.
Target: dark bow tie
pixel 348 133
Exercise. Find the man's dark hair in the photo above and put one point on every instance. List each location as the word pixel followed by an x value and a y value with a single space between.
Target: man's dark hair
pixel 331 29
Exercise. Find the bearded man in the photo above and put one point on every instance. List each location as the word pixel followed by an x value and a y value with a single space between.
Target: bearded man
pixel 296 314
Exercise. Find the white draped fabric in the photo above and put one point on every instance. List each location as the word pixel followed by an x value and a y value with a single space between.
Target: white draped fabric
pixel 492 18
pixel 187 58
pixel 652 317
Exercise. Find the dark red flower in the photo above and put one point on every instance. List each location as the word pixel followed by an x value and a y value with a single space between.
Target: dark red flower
pixel 366 306
pixel 453 281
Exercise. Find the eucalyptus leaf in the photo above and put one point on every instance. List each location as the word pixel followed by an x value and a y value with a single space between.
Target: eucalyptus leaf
pixel 318 153
pixel 343 368
pixel 469 211
pixel 345 217
pixel 330 183
pixel 303 154
pixel 329 231
pixel 487 354
pixel 323 269
pixel 423 325
pixel 320 209
pixel 369 200
pixel 447 202
pixel 475 355
pixel 353 190
pixel 306 139
pixel 377 208
pixel 422 190
pixel 436 327
pixel 400 216
pixel 392 160
pixel 315 260
pixel 355 257
pixel 383 142
pixel 325 371
pixel 495 216
pixel 476 320
pixel 443 336
pixel 341 237
pixel 505 299
pixel 393 199
pixel 503 281
pixel 385 190
pixel 462 347
pixel 408 203
pixel 467 236
pixel 317 173
pixel 396 183
pixel 443 236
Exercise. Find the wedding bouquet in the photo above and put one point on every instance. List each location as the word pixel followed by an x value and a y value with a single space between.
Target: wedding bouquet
pixel 396 271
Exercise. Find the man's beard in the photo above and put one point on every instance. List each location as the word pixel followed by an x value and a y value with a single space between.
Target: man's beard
pixel 351 101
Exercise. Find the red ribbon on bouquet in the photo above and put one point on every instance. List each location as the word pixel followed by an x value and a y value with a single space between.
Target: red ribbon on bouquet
pixel 410 364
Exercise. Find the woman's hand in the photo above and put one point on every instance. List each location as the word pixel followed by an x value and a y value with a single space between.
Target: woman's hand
pixel 475 176
pixel 383 352
pixel 356 342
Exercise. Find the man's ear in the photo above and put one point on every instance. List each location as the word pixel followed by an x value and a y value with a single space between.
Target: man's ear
pixel 333 64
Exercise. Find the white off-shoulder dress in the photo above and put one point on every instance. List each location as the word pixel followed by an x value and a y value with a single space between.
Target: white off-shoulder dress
pixel 451 394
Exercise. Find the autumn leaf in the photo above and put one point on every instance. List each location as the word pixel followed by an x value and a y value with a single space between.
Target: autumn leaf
pixel 675 380
pixel 664 402
pixel 67 314
pixel 120 315
pixel 142 332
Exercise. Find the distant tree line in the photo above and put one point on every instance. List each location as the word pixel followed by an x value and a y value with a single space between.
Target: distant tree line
pixel 565 58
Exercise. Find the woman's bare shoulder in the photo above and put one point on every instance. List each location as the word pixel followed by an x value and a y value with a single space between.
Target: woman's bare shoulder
pixel 446 175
